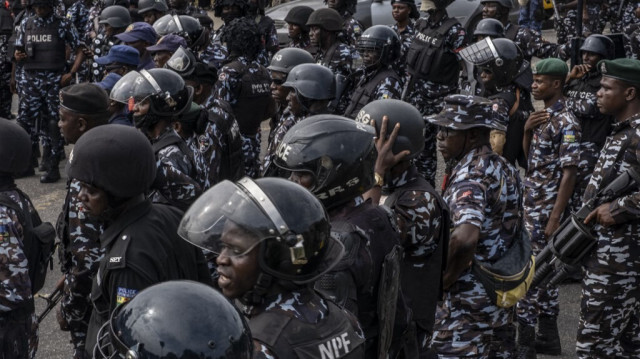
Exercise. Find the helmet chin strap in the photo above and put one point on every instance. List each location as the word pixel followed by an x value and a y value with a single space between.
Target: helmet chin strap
pixel 256 295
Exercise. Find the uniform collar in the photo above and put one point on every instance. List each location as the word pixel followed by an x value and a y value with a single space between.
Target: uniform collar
pixel 633 121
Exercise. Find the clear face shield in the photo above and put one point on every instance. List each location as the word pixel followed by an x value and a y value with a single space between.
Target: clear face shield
pixel 182 62
pixel 132 89
pixel 482 53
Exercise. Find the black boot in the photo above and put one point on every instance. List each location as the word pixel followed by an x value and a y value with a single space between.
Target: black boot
pixel 548 339
pixel 53 172
pixel 526 342
pixel 44 162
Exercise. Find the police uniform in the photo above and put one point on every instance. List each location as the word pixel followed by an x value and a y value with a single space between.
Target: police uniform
pixel 6 28
pixel 304 42
pixel 44 41
pixel 352 29
pixel 268 30
pixel 302 324
pixel 245 85
pixel 483 190
pixel 532 44
pixel 285 123
pixel 609 309
pixel 595 127
pixel 215 54
pixel 405 43
pixel 377 84
pixel 433 65
pixel 78 15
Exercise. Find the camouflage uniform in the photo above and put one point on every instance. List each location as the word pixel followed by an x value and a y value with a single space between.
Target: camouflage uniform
pixel 532 44
pixel 80 254
pixel 566 29
pixel 270 40
pixel 303 43
pixel 555 145
pixel 39 99
pixel 215 53
pixel 352 29
pixel 609 317
pixel 342 61
pixel 610 15
pixel 175 182
pixel 285 123
pixel 78 15
pixel 405 36
pixel 189 10
pixel 389 88
pixel 428 97
pixel 18 322
pixel 634 43
pixel 484 190
pixel 581 100
pixel 5 77
pixel 19 66
pixel 630 26
pixel 227 89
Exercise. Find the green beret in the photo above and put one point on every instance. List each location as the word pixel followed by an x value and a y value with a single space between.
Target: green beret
pixel 550 66
pixel 627 70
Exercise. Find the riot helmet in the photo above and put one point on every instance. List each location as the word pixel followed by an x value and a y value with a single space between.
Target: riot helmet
pixel 299 15
pixel 502 57
pixel 504 3
pixel 15 148
pixel 117 159
pixel 242 37
pixel 312 81
pixel 338 152
pixel 149 5
pixel 599 44
pixel 287 58
pixel 220 4
pixel 327 19
pixel 107 3
pixel 182 25
pixel 412 126
pixel 164 89
pixel 489 27
pixel 383 40
pixel 283 219
pixel 176 319
pixel 183 62
pixel 115 16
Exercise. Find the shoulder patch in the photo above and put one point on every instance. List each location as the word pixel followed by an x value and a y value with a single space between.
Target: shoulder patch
pixel 222 76
pixel 568 136
pixel 125 294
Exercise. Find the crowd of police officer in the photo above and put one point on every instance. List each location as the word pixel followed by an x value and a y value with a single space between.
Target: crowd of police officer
pixel 180 238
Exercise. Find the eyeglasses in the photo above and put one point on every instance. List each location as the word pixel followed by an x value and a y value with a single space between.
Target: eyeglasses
pixel 277 82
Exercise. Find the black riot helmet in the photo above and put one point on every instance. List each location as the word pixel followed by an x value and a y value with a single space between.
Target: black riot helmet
pixel 117 159
pixel 115 16
pixel 412 126
pixel 288 58
pixel 299 15
pixel 183 62
pixel 599 44
pixel 288 223
pixel 219 4
pixel 504 3
pixel 242 37
pixel 327 19
pixel 489 27
pixel 312 81
pixel 178 320
pixel 15 148
pixel 382 39
pixel 338 152
pixel 164 88
pixel 185 26
pixel 500 56
pixel 415 14
pixel 148 5
pixel 107 3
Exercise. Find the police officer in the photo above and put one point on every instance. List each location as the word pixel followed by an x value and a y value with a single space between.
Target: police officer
pixel 78 15
pixel 21 10
pixel 351 28
pixel 281 64
pixel 488 27
pixel 216 53
pixel 152 10
pixel 433 67
pixel 82 107
pixel 41 43
pixel 379 48
pixel 608 311
pixel 187 27
pixel 120 60
pixel 114 20
pixel 324 26
pixel 421 214
pixel 184 7
pixel 310 87
pixel 272 241
pixel 267 29
pixel 139 240
pixel 296 20
pixel 209 326
pixel 140 35
pixel 405 13
pixel 333 157
pixel 18 326
pixel 528 40
pixel 159 95
pixel 245 85
pixel 6 28
pixel 552 146
pixel 162 51
pixel 580 91
pixel 218 136
pixel 467 321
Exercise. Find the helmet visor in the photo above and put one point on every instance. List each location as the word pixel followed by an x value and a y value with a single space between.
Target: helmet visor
pixel 481 53
pixel 181 62
pixel 132 87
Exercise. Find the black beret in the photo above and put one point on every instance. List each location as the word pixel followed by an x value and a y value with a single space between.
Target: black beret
pixel 115 158
pixel 15 147
pixel 85 98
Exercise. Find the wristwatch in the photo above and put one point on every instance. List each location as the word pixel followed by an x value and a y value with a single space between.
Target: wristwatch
pixel 379 180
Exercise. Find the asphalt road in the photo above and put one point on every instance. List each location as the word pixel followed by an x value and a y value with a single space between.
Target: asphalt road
pixel 54 344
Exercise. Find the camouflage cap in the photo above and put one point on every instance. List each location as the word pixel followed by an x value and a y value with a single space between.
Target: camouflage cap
pixel 550 66
pixel 627 70
pixel 462 112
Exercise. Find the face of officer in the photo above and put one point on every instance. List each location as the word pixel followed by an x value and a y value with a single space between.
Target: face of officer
pixel 161 57
pixel 490 10
pixel 279 92
pixel 545 87
pixel 487 78
pixel 318 37
pixel 94 200
pixel 370 57
pixel 400 12
pixel 614 96
pixel 139 45
pixel 230 12
pixel 591 59
pixel 451 142
pixel 334 4
pixel 237 261
pixel 201 91
pixel 42 10
pixel 71 125
pixel 297 109
pixel 294 31
pixel 151 16
pixel 303 178
pixel 141 108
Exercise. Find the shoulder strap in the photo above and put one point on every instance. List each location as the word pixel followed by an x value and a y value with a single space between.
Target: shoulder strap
pixel 446 25
pixel 7 201
pixel 512 32
pixel 174 139
pixel 332 50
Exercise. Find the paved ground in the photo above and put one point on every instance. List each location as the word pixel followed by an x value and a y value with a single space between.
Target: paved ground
pixel 54 344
